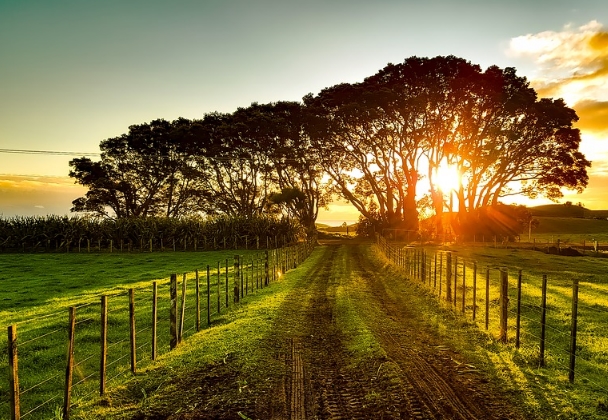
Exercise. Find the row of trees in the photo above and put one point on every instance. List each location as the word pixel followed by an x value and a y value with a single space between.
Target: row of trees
pixel 378 144
pixel 251 162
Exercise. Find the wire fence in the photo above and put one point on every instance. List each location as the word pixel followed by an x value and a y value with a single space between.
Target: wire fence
pixel 109 338
pixel 551 322
pixel 148 244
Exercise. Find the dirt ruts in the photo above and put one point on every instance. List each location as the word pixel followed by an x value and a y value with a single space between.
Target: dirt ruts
pixel 419 378
pixel 348 341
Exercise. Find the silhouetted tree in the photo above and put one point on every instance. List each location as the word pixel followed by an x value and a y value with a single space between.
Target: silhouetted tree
pixel 380 137
pixel 148 171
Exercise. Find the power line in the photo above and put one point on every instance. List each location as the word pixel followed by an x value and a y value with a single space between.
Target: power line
pixel 47 152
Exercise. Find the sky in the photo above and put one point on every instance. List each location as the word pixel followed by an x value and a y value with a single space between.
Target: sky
pixel 73 73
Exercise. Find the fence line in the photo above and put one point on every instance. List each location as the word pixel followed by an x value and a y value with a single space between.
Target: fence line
pixel 153 244
pixel 97 334
pixel 448 277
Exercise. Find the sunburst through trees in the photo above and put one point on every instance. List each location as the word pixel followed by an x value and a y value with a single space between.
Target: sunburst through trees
pixel 383 144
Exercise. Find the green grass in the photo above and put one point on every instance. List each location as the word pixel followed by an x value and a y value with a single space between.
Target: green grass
pixel 569 231
pixel 234 348
pixel 546 387
pixel 38 289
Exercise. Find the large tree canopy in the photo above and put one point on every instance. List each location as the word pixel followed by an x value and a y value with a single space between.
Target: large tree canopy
pixel 382 136
pixel 149 171
pixel 381 144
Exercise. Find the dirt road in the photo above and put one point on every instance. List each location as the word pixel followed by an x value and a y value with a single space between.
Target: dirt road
pixel 350 340
pixel 413 375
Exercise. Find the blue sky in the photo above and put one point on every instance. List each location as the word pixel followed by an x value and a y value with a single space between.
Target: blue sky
pixel 73 73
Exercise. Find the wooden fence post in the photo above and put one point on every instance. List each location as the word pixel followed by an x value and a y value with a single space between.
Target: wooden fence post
pixel 246 275
pixel 227 285
pixel 440 273
pixel 573 329
pixel 154 319
pixel 448 277
pixel 208 296
pixel 197 315
pixel 219 291
pixel 242 272
pixel 504 303
pixel 543 319
pixel 455 280
pixel 104 345
pixel 464 286
pixel 252 273
pixel 13 361
pixel 182 312
pixel 487 298
pixel 67 396
pixel 237 294
pixel 435 272
pixel 474 290
pixel 132 330
pixel 173 311
pixel 518 320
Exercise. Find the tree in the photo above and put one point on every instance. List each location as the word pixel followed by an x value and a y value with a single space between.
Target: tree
pixel 379 134
pixel 148 171
pixel 261 156
pixel 228 148
pixel 366 161
pixel 379 138
pixel 296 166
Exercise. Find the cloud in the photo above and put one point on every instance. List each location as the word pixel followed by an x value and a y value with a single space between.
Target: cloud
pixel 37 195
pixel 593 116
pixel 572 63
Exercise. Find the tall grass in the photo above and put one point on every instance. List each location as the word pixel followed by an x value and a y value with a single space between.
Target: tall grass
pixel 73 234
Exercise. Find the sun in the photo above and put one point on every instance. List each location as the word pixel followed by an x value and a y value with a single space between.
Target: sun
pixel 446 177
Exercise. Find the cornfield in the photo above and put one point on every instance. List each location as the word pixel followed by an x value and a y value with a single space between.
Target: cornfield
pixel 78 234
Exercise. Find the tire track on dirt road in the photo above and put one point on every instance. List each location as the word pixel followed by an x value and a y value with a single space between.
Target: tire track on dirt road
pixel 331 391
pixel 437 389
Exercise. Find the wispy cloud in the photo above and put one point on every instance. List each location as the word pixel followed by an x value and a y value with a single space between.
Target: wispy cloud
pixel 572 63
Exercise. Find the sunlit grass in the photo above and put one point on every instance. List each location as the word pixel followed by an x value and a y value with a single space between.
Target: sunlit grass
pixel 235 342
pixel 37 291
pixel 546 386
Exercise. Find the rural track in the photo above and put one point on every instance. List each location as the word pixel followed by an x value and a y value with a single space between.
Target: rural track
pixel 430 382
pixel 437 384
pixel 319 387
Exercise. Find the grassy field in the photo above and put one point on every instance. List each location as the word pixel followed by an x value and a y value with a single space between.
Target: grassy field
pixel 570 231
pixel 543 390
pixel 38 289
pixel 546 386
